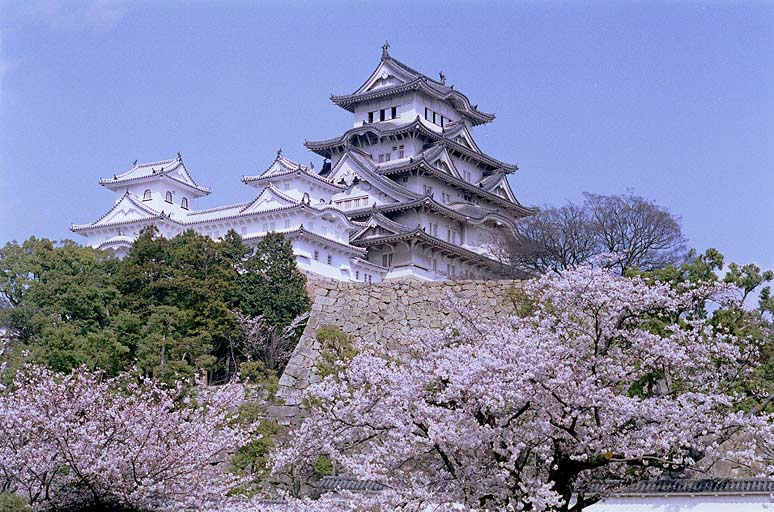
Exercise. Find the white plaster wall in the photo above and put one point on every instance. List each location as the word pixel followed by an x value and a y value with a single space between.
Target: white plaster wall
pixel 158 191
pixel 402 102
pixel 684 504
pixel 476 172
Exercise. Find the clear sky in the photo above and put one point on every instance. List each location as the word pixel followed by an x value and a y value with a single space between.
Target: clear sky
pixel 674 100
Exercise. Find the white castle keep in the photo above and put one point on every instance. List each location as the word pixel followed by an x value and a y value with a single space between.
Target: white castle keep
pixel 405 193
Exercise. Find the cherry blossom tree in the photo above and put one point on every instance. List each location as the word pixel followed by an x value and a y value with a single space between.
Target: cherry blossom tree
pixel 84 442
pixel 599 380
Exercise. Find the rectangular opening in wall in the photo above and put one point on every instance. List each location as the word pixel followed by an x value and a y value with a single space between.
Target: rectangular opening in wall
pixel 394 112
pixel 381 115
pixel 370 117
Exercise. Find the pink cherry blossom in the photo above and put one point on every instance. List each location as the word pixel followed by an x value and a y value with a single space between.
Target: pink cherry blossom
pixel 601 380
pixel 67 441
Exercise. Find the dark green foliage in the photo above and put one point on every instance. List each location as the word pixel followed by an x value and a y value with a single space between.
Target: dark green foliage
pixel 13 503
pixel 737 315
pixel 336 348
pixel 323 466
pixel 169 308
pixel 272 285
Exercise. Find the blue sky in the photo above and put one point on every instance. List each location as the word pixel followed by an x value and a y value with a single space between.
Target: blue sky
pixel 674 100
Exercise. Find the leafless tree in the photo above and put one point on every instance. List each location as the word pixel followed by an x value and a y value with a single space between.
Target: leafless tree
pixel 268 343
pixel 634 232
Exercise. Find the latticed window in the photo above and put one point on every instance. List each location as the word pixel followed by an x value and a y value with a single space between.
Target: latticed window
pixel 168 197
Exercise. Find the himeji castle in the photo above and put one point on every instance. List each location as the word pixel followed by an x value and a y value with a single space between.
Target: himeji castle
pixel 406 192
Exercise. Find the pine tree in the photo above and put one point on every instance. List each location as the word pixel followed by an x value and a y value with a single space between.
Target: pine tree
pixel 272 286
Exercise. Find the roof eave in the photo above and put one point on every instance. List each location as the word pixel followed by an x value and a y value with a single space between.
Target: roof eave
pixel 115 184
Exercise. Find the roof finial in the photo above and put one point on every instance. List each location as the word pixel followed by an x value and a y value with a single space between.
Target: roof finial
pixel 385 47
pixel 279 152
pixel 134 163
pixel 179 157
pixel 442 77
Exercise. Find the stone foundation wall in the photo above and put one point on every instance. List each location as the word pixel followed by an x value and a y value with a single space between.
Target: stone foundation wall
pixel 383 311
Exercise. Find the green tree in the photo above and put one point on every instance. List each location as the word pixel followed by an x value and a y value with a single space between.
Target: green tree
pixel 736 314
pixel 272 286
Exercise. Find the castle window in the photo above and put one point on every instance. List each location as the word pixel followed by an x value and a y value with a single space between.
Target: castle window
pixel 168 197
pixel 381 115
pixel 184 203
pixel 394 112
pixel 387 260
pixel 370 117
pixel 400 151
pixel 146 196
pixel 316 255
pixel 329 260
pixel 357 275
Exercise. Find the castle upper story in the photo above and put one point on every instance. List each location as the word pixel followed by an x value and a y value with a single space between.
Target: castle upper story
pixel 405 192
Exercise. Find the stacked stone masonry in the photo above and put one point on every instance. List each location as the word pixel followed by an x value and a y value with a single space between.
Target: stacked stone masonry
pixel 386 311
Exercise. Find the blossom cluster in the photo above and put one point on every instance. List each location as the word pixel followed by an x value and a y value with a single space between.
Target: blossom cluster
pixel 76 440
pixel 598 381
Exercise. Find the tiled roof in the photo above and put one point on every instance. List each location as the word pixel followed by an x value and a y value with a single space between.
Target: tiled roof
pixel 340 483
pixel 303 232
pixel 323 147
pixel 420 234
pixel 479 191
pixel 413 80
pixel 287 168
pixel 491 181
pixel 368 171
pixel 126 198
pixel 173 169
pixel 465 212
pixel 733 486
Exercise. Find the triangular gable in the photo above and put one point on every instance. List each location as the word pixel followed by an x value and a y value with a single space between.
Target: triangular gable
pixel 127 209
pixel 378 225
pixel 269 199
pixel 464 137
pixel 445 163
pixel 350 171
pixel 173 169
pixel 147 169
pixel 503 189
pixel 282 165
pixel 347 170
pixel 386 74
pixel 180 173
